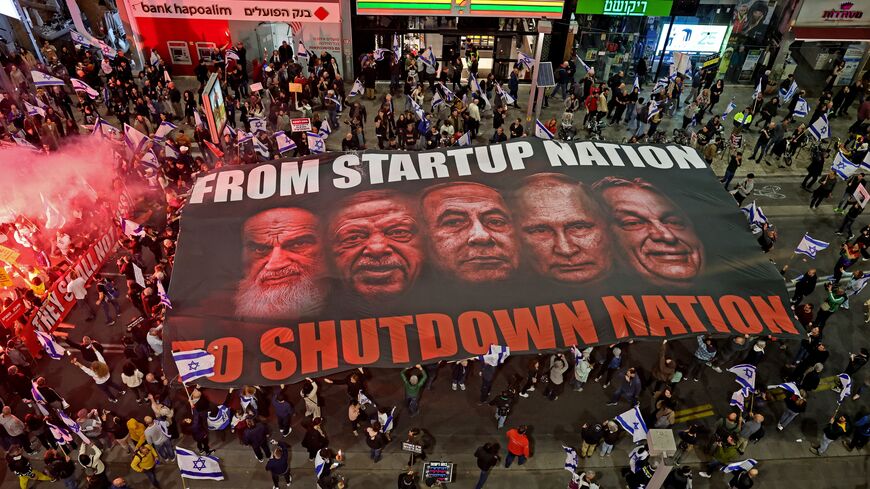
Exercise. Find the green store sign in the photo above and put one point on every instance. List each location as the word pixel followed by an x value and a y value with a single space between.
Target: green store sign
pixel 650 8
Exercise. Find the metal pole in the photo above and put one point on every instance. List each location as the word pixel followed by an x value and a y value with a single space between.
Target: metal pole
pixel 539 48
pixel 664 48
pixel 24 17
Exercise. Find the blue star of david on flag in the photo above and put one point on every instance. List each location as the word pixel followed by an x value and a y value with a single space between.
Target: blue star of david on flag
pixel 193 364
pixel 193 466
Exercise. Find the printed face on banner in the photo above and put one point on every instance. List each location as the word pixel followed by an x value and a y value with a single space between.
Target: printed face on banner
pixel 306 267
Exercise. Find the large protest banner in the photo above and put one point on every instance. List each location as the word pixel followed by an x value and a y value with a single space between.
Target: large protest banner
pixel 315 265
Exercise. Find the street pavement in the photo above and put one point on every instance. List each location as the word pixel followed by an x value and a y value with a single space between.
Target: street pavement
pixel 458 424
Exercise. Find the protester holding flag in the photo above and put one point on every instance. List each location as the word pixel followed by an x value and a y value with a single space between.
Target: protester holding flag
pixel 838 427
pixel 824 190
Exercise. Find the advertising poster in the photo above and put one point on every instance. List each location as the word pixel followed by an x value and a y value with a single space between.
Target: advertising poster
pixel 305 267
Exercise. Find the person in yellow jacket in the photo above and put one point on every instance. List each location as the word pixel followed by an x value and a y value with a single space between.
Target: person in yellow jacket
pixel 144 461
pixel 137 431
pixel 743 118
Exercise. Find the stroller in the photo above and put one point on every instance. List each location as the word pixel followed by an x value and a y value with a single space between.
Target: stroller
pixel 594 126
pixel 567 131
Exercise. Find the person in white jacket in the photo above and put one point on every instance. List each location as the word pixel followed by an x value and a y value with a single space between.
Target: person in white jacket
pixel 102 375
pixel 309 395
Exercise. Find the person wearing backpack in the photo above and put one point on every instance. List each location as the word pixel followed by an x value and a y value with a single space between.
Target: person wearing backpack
pixel 144 461
pixel 504 403
pixel 107 294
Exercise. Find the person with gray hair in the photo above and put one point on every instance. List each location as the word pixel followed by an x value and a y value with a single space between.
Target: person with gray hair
pixel 414 378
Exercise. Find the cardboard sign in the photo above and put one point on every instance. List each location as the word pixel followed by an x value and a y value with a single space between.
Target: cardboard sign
pixel 300 125
pixel 5 279
pixel 8 254
pixel 410 447
pixel 256 87
pixel 295 87
pixel 861 195
pixel 440 471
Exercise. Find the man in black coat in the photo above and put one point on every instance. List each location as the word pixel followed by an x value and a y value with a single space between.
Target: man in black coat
pixel 487 458
pixel 804 287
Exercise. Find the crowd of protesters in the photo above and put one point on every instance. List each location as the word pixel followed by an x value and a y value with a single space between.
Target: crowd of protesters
pixel 161 412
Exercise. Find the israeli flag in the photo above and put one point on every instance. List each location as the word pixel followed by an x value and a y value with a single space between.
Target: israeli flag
pixel 193 466
pixel 154 59
pixel 541 130
pixel 38 398
pixel 242 137
pixel 379 53
pixel 637 455
pixel 33 110
pixel 78 38
pixel 417 109
pixel 131 228
pixel 302 52
pixel 229 130
pixel 231 54
pixel 475 87
pixel 61 435
pixel 320 464
pixel 166 76
pixel 163 130
pixel 740 466
pixel 221 420
pixel 465 140
pixel 363 399
pixel 424 125
pixel 24 143
pixel 653 110
pixel 571 459
pixel 661 84
pixel 448 94
pixel 584 65
pixel 789 387
pixel 325 129
pixel 845 386
pixel 802 108
pixel 164 297
pixel 843 167
pixel 437 101
pixel 149 159
pixel 496 355
pixel 357 88
pixel 41 79
pixel 73 426
pixel 787 95
pixel 810 246
pixel 338 105
pixel 504 95
pixel 386 420
pixel 754 214
pixel 108 51
pixel 757 90
pixel 261 148
pixel 284 142
pixel 193 364
pixel 738 399
pixel 257 125
pixel 525 60
pixel 50 345
pixel 637 83
pixel 397 47
pixel 134 138
pixel 316 143
pixel 80 86
pixel 428 57
pixel 632 422
pixel 745 375
pixel 730 108
pixel 821 129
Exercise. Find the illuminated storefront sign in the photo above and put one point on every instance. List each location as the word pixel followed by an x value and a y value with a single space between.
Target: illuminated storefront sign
pixel 649 8
pixel 693 38
pixel 474 8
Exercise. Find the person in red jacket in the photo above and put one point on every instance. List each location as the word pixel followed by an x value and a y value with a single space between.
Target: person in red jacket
pixel 518 445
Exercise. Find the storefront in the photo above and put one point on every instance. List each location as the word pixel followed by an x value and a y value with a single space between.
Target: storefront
pixel 185 31
pixel 498 28
pixel 827 32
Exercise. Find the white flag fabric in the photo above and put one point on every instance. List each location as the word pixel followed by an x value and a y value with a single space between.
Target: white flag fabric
pixel 465 140
pixel 316 143
pixel 786 95
pixel 584 65
pixel 496 355
pixel 632 422
pixel 134 138
pixel 33 110
pixel 728 109
pixel 821 129
pixel 654 109
pixel 197 119
pixel 284 142
pixel 61 435
pixel 745 375
pixel 302 52
pixel 38 399
pixel 41 79
pixel 571 459
pixel 193 364
pixel 164 297
pixel 53 218
pixel 508 99
pixel 166 76
pixel 73 426
pixel 140 277
pixel 541 130
pixel 163 130
pixel 843 167
pixel 78 38
pixel 525 60
pixel 757 89
pixel 637 83
pixel 257 125
pixel 387 420
pixel 81 86
pixel 325 129
pixel 193 466
pixel 363 399
pixel 261 148
pixel 789 387
pixel 475 87
pixel 738 399
pixel 802 108
pixel 428 57
pixel 357 88
pixel 437 100
pixel 242 137
pixel 150 160
pixel 742 465
pixel 810 246
pixel 131 228
pixel 754 214
pixel 845 386
pixel 636 456
pixel 50 345
pixel 320 464
pixel 154 59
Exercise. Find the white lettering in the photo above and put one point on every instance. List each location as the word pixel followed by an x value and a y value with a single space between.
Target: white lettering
pixel 201 187
pixel 296 181
pixel 262 182
pixel 342 167
pixel 228 187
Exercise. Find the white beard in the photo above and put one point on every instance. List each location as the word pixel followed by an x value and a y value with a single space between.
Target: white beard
pixel 288 301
